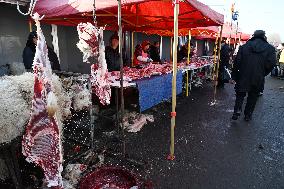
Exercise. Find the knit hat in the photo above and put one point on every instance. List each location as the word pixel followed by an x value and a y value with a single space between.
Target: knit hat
pixel 259 33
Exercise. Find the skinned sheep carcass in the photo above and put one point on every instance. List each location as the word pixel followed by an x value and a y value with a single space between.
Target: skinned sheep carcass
pixel 41 142
pixel 91 44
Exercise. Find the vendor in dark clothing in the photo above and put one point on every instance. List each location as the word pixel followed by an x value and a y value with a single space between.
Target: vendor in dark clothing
pixel 112 54
pixel 29 53
pixel 183 52
pixel 155 52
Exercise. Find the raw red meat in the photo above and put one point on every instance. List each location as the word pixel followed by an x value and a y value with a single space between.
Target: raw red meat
pixel 100 84
pixel 41 142
pixel 147 71
pixel 91 44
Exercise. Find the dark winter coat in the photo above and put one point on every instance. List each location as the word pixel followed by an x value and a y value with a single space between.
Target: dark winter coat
pixel 155 53
pixel 254 61
pixel 29 54
pixel 112 59
pixel 182 53
pixel 28 57
pixel 224 56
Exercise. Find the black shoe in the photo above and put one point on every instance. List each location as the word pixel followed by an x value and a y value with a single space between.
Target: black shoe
pixel 247 118
pixel 236 115
pixel 260 94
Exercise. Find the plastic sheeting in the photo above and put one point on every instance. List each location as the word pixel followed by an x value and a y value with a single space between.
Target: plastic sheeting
pixel 156 89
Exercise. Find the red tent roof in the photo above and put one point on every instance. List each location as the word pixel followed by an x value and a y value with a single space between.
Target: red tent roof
pixel 228 32
pixel 205 32
pixel 137 15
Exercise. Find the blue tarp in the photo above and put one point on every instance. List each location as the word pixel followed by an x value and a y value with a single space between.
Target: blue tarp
pixel 156 89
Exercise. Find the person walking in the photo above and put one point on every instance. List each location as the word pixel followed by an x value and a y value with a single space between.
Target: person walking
pixel 224 63
pixel 254 61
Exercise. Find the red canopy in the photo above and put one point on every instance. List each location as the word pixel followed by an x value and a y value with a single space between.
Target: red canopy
pixel 137 15
pixel 206 32
pixel 228 32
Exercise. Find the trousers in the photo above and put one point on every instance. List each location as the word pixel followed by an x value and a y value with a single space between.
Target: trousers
pixel 252 97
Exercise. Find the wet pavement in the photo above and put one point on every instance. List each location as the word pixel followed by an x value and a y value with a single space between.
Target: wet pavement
pixel 212 151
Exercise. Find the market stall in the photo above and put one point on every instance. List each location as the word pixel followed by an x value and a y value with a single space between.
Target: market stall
pixel 139 17
pixel 42 140
pixel 136 16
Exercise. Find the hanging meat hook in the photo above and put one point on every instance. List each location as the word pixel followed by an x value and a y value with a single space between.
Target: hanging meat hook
pixel 31 8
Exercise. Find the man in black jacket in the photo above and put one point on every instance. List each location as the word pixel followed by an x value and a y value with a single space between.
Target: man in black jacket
pixel 155 52
pixel 112 54
pixel 224 63
pixel 254 61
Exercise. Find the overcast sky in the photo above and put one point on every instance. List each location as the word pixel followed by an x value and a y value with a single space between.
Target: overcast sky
pixel 253 14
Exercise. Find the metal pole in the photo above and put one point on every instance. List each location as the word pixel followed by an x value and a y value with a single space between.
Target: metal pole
pixel 188 61
pixel 121 73
pixel 161 48
pixel 218 63
pixel 188 47
pixel 236 35
pixel 187 82
pixel 171 48
pixel 173 113
pixel 94 13
pixel 92 109
pixel 215 54
pixel 132 48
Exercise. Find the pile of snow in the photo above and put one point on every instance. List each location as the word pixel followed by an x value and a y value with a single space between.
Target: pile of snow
pixel 16 101
pixel 14 111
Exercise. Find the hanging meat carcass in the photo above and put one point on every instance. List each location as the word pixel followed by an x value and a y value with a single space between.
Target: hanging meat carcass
pixel 91 44
pixel 42 140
